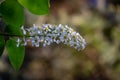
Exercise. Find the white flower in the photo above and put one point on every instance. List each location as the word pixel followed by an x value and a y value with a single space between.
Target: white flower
pixel 37 44
pixel 33 41
pixel 24 31
pixel 18 42
pixel 24 41
pixel 48 34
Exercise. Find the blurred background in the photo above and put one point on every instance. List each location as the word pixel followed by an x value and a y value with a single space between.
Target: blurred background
pixel 98 21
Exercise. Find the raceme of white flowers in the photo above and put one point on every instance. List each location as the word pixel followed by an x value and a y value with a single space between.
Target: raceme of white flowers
pixel 48 34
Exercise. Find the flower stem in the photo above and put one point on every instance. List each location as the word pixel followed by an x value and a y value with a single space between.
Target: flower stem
pixel 14 35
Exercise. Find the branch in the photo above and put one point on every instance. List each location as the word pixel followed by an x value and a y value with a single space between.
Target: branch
pixel 14 35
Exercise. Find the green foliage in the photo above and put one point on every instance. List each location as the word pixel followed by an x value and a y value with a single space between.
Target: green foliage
pixel 38 7
pixel 13 30
pixel 2 44
pixel 12 12
pixel 16 54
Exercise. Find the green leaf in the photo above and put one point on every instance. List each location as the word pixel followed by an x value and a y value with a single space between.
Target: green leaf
pixel 2 44
pixel 12 12
pixel 16 54
pixel 38 7
pixel 13 30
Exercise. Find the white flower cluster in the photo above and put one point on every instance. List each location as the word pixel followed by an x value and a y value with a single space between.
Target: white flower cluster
pixel 48 34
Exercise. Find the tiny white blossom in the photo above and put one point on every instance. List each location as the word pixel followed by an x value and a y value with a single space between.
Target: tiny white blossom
pixel 24 41
pixel 18 42
pixel 24 31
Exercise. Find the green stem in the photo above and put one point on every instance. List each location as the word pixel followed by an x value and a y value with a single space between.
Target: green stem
pixel 14 35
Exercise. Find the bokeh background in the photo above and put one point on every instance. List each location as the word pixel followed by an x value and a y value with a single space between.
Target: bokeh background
pixel 98 21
